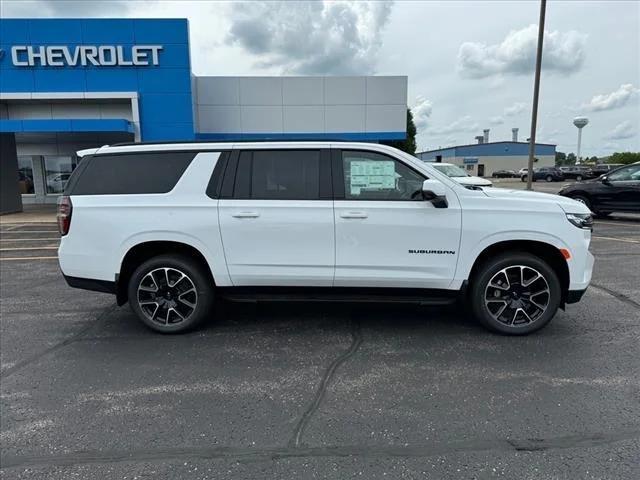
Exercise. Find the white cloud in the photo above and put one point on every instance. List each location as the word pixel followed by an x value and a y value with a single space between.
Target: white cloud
pixel 621 131
pixel 610 147
pixel 615 99
pixel 66 8
pixel 516 54
pixel 421 112
pixel 515 109
pixel 497 120
pixel 463 124
pixel 315 37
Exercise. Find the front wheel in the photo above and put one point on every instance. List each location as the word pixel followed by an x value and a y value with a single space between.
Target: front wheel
pixel 583 200
pixel 549 178
pixel 515 294
pixel 171 293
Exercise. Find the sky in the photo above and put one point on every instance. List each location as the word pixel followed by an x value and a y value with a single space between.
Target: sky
pixel 470 64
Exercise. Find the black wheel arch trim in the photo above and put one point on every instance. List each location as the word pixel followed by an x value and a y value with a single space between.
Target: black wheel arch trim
pixel 92 284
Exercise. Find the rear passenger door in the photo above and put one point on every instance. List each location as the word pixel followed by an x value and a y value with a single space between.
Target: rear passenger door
pixel 276 217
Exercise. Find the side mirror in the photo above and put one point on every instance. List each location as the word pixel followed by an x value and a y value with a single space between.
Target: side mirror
pixel 435 192
pixel 605 180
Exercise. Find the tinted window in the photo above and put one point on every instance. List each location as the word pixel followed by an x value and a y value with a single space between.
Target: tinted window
pixel 133 173
pixel 373 176
pixel 628 174
pixel 278 175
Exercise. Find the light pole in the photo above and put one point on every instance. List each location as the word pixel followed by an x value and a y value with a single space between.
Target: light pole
pixel 536 91
pixel 580 122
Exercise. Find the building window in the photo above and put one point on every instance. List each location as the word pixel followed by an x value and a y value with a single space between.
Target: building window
pixel 57 173
pixel 470 167
pixel 25 175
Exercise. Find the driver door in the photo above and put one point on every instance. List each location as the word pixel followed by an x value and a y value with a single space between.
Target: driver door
pixel 386 234
pixel 622 190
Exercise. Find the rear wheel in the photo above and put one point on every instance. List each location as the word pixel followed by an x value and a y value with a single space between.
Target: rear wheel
pixel 171 293
pixel 515 294
pixel 549 178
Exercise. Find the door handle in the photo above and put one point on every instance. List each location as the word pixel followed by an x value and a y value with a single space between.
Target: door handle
pixel 245 215
pixel 354 215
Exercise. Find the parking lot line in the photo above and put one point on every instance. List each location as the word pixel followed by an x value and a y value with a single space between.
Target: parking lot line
pixel 26 223
pixel 15 259
pixel 28 231
pixel 28 239
pixel 621 224
pixel 27 248
pixel 627 240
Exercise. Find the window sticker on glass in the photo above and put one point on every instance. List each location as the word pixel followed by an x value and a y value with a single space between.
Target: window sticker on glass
pixel 371 175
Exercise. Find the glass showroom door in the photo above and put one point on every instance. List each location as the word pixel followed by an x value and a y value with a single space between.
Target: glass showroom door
pixel 57 170
pixel 25 175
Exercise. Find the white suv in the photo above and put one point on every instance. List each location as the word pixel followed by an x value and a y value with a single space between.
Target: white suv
pixel 170 227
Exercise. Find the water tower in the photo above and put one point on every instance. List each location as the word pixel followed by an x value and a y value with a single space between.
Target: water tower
pixel 580 122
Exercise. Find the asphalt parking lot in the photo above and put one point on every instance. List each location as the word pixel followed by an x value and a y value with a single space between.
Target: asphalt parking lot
pixel 316 391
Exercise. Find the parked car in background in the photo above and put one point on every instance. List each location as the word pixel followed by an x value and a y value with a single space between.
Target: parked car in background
pixel 578 172
pixel 505 174
pixel 603 168
pixel 459 175
pixel 523 171
pixel 617 191
pixel 550 174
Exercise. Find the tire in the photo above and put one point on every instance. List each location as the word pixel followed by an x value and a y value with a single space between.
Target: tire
pixel 186 301
pixel 549 178
pixel 523 178
pixel 579 178
pixel 520 316
pixel 582 199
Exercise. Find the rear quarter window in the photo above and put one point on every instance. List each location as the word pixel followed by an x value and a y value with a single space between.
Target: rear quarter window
pixel 131 173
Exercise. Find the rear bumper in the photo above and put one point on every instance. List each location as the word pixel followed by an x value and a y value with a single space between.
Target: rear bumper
pixel 91 284
pixel 574 296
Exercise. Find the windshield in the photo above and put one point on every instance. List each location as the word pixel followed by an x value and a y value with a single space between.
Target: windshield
pixel 451 170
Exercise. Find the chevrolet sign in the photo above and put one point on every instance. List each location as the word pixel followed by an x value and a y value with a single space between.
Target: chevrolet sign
pixel 95 55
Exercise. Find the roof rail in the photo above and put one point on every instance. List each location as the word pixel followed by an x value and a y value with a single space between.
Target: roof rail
pixel 247 140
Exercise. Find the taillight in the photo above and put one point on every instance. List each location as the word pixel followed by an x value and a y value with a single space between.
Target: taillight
pixel 64 214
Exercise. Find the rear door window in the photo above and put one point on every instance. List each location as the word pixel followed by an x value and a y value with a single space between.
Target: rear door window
pixel 282 175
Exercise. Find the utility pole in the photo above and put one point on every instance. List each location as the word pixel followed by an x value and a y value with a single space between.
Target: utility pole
pixel 536 91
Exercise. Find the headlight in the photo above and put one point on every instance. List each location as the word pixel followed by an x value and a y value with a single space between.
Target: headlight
pixel 581 220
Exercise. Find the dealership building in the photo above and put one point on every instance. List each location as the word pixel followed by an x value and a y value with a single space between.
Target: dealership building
pixel 483 157
pixel 70 84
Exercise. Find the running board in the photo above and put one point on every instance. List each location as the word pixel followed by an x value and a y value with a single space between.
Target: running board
pixel 328 294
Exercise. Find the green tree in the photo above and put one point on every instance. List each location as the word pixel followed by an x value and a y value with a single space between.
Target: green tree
pixel 624 157
pixel 408 144
pixel 561 158
pixel 571 159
